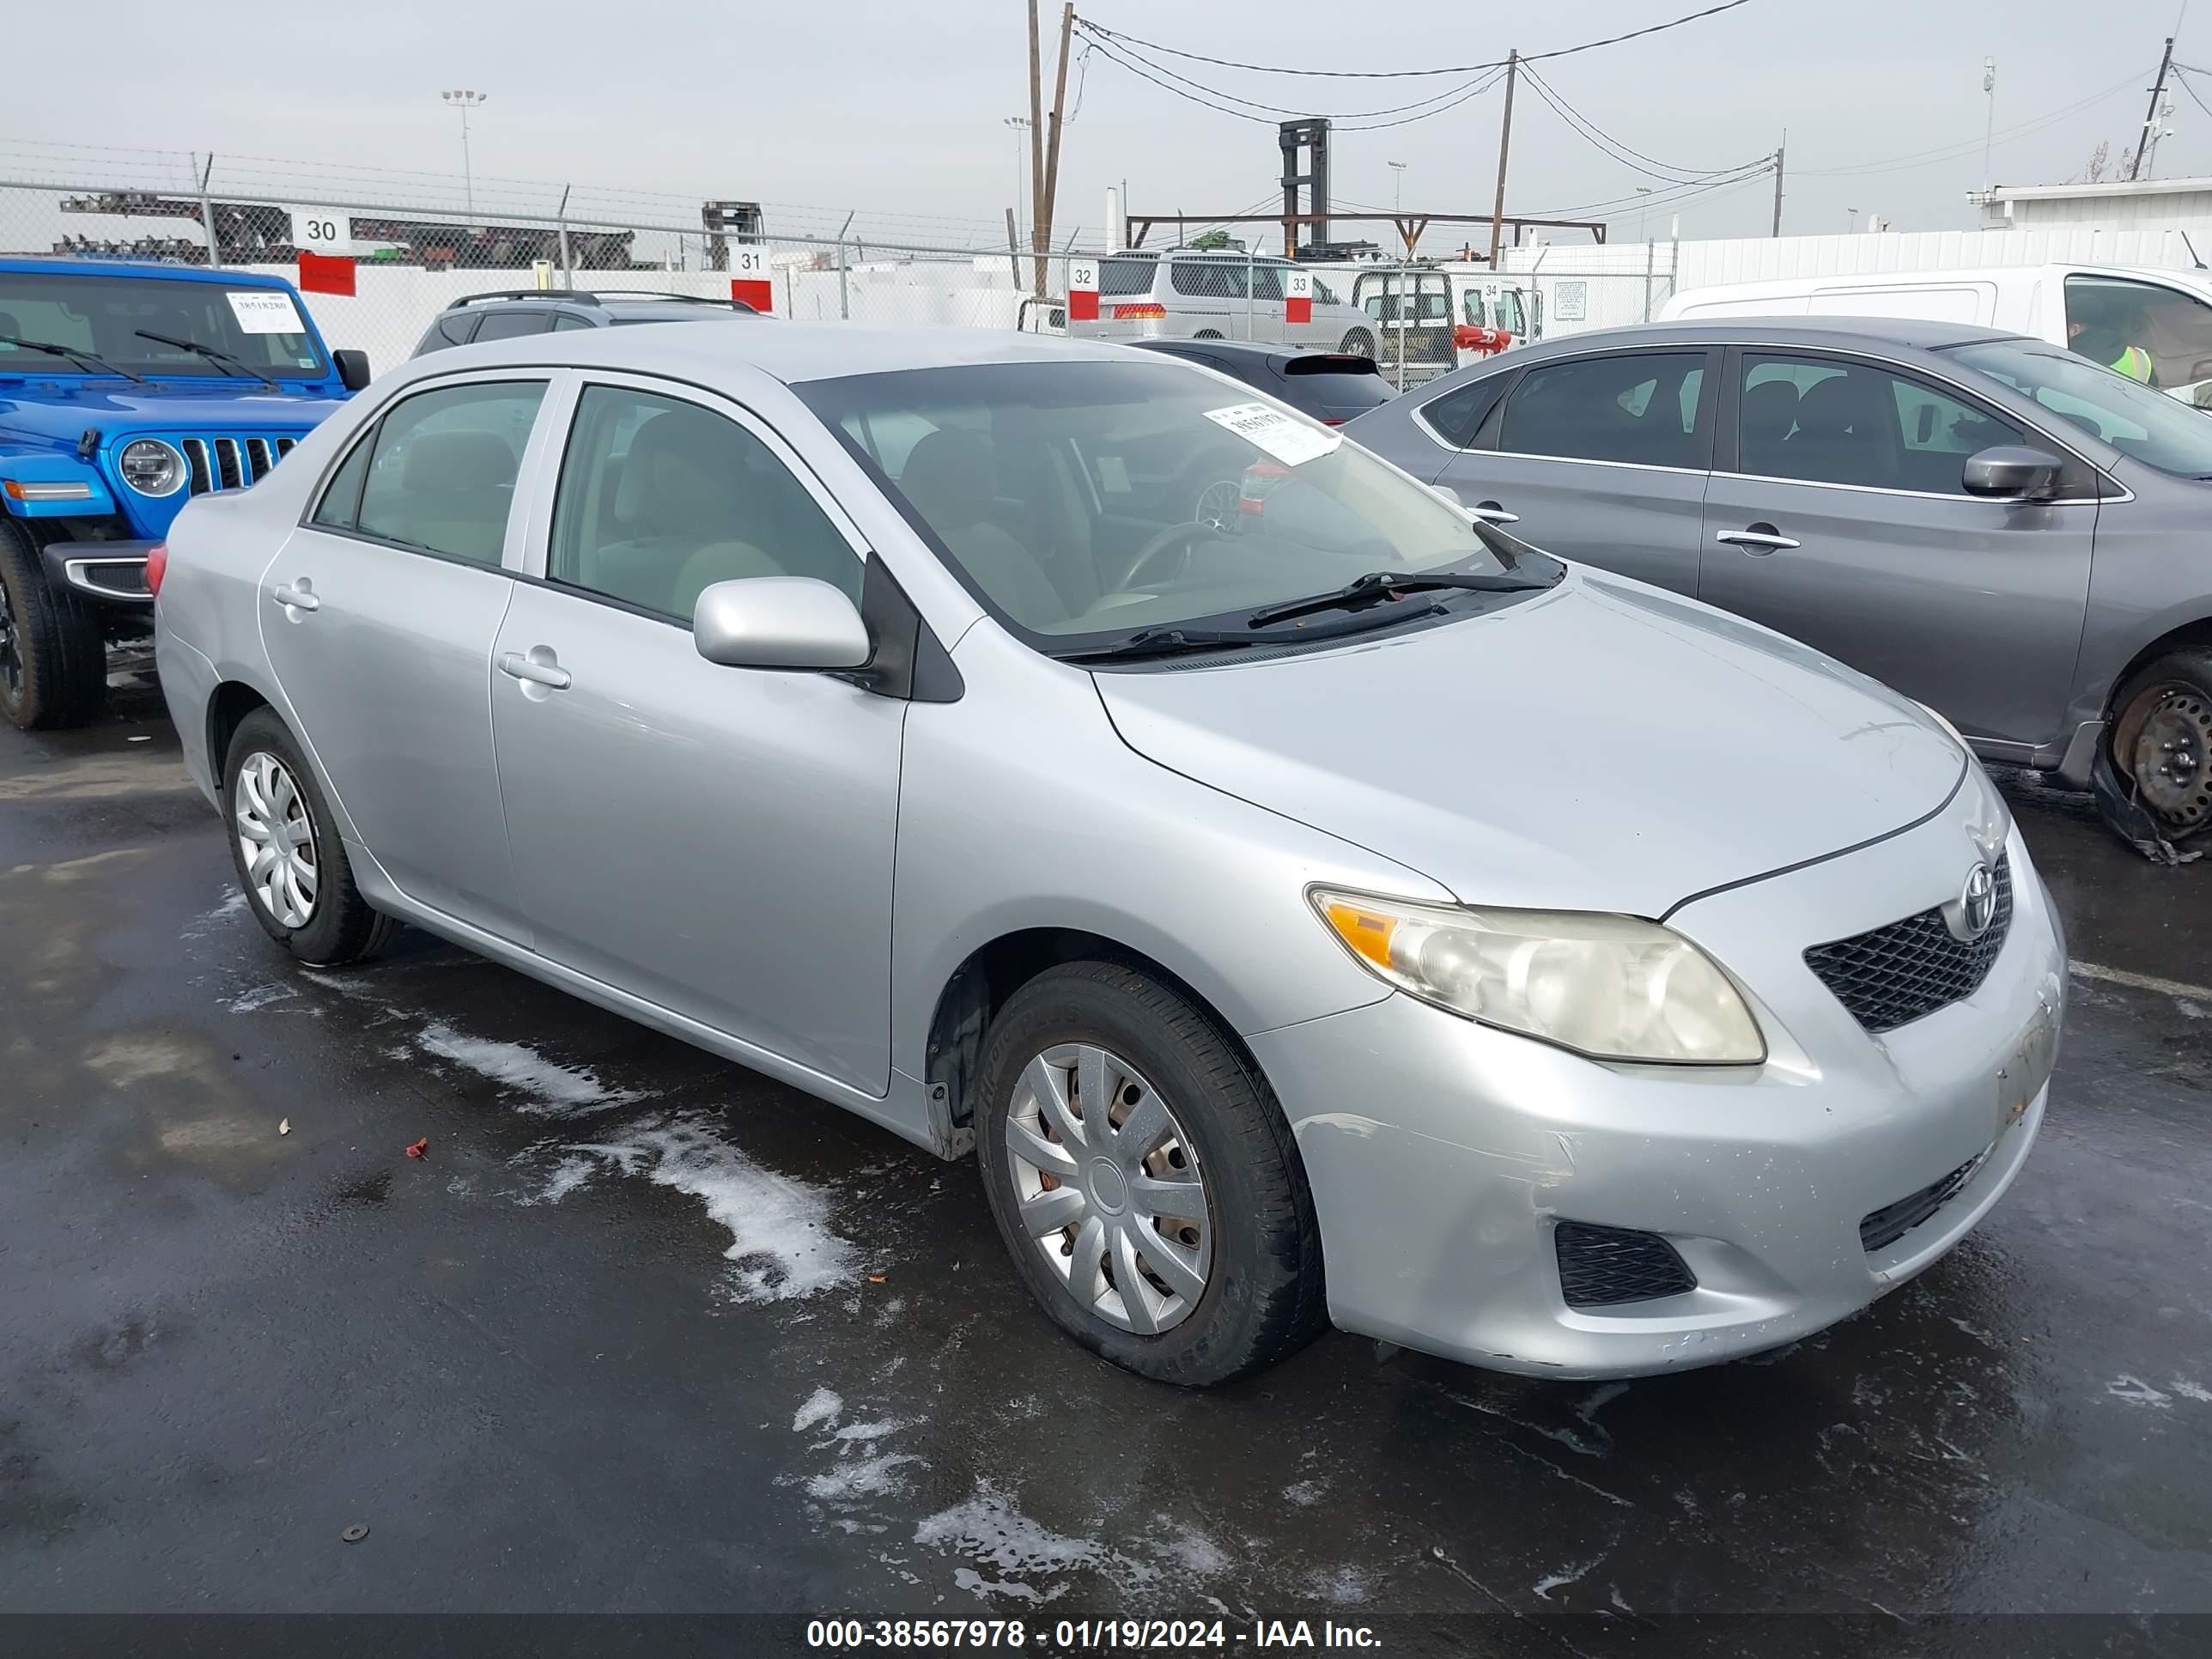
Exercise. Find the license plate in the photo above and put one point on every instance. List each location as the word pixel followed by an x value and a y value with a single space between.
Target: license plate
pixel 2027 1068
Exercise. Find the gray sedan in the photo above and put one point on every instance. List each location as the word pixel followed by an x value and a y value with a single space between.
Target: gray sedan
pixel 1995 526
pixel 870 710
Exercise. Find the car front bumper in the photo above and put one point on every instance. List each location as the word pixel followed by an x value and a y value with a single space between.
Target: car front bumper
pixel 1441 1154
pixel 113 572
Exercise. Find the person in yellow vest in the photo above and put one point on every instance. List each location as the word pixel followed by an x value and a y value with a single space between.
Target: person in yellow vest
pixel 2103 328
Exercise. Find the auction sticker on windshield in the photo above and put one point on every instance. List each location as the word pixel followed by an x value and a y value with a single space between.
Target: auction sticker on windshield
pixel 265 311
pixel 1289 440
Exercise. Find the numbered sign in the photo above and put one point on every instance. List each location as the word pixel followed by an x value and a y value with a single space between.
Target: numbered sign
pixel 321 230
pixel 749 284
pixel 1083 290
pixel 1297 296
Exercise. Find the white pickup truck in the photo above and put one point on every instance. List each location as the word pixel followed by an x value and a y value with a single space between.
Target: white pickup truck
pixel 2154 324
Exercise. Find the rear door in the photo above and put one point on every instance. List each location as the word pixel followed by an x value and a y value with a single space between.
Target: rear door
pixel 1602 459
pixel 379 617
pixel 1837 515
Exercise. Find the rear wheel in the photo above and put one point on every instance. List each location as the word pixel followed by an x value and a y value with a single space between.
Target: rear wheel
pixel 1144 1178
pixel 284 844
pixel 53 661
pixel 1360 342
pixel 2162 741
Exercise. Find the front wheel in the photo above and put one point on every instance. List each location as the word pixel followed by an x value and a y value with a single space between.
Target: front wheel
pixel 285 845
pixel 1359 343
pixel 2162 741
pixel 53 658
pixel 1142 1174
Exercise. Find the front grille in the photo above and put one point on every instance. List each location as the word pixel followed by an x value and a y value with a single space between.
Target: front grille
pixel 1891 976
pixel 221 463
pixel 1884 1227
pixel 1602 1267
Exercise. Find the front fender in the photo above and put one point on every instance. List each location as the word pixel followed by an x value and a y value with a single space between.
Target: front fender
pixel 44 483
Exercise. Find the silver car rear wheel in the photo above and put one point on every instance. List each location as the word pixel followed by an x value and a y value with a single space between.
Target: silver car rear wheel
pixel 276 840
pixel 1110 1188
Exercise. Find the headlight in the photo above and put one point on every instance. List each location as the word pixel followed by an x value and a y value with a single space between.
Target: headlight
pixel 151 467
pixel 1609 986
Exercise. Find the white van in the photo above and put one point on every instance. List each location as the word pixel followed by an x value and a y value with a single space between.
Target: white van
pixel 2120 315
pixel 1433 319
pixel 1189 294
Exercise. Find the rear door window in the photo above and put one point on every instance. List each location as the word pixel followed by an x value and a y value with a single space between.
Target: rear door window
pixel 1644 409
pixel 1127 276
pixel 441 478
pixel 1458 415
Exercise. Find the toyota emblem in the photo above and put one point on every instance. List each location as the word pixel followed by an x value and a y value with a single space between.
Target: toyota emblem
pixel 1977 902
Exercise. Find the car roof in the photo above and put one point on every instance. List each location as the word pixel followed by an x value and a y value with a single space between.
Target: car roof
pixel 21 266
pixel 793 353
pixel 1839 332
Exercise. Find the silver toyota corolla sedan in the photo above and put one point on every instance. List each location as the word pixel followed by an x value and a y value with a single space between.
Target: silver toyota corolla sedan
pixel 1336 910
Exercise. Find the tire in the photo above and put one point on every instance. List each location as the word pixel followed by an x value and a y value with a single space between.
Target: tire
pixel 1212 487
pixel 336 926
pixel 1255 1257
pixel 1360 342
pixel 2162 741
pixel 53 658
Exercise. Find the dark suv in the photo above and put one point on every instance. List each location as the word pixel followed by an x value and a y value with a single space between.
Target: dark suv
pixel 509 313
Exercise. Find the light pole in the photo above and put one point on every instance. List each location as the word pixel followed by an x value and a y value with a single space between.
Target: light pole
pixel 1020 123
pixel 1853 213
pixel 465 102
pixel 1641 191
pixel 1398 202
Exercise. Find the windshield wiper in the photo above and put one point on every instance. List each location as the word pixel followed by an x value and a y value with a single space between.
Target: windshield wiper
pixel 1172 641
pixel 221 359
pixel 1376 584
pixel 82 359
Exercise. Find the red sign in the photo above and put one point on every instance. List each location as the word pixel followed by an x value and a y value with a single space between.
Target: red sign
pixel 1083 290
pixel 324 273
pixel 1297 296
pixel 755 291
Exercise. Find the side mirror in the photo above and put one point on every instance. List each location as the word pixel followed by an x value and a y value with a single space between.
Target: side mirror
pixel 779 622
pixel 352 366
pixel 2011 472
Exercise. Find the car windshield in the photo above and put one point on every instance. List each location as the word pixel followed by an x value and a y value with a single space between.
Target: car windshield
pixel 1085 501
pixel 261 327
pixel 2142 424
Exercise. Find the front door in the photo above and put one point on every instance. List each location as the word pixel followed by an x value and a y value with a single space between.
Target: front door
pixel 1601 459
pixel 379 617
pixel 718 840
pixel 1845 524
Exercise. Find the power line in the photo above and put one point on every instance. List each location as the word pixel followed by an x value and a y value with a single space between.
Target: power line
pixel 1125 52
pixel 1399 75
pixel 1952 152
pixel 1206 96
pixel 1635 160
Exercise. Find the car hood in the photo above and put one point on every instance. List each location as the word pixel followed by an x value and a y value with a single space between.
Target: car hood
pixel 1608 746
pixel 59 409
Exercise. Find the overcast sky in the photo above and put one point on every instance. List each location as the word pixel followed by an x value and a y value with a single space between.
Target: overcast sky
pixel 900 108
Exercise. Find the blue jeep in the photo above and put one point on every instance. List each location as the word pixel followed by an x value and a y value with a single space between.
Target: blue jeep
pixel 125 390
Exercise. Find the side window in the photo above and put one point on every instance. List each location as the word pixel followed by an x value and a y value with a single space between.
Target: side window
pixel 442 476
pixel 1208 279
pixel 510 324
pixel 1458 415
pixel 341 501
pixel 660 499
pixel 1830 421
pixel 1470 308
pixel 1642 408
pixel 1127 276
pixel 1267 282
pixel 564 321
pixel 1509 314
pixel 2150 332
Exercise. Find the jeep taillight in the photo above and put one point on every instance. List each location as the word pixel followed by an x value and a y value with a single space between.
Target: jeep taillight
pixel 157 565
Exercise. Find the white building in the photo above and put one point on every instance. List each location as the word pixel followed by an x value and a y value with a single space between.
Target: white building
pixel 2152 205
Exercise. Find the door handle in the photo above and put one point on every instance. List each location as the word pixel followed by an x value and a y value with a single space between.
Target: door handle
pixel 1491 513
pixel 1758 539
pixel 515 666
pixel 298 597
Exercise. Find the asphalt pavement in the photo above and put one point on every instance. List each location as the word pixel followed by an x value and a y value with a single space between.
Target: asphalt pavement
pixel 642 1331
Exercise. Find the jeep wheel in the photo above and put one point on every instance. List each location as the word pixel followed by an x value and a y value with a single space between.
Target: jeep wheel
pixel 53 662
pixel 2162 741
pixel 1359 343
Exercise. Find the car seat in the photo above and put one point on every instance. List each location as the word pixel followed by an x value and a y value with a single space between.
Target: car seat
pixel 1768 415
pixel 951 478
pixel 682 497
pixel 454 491
pixel 1844 434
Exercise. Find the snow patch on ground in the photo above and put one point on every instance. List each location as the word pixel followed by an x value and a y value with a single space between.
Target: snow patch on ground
pixel 990 1529
pixel 207 920
pixel 821 1406
pixel 2136 1392
pixel 260 997
pixel 781 1242
pixel 2189 1390
pixel 1346 1587
pixel 1305 1494
pixel 862 1477
pixel 565 1177
pixel 555 1091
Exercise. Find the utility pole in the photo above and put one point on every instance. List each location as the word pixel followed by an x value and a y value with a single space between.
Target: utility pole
pixel 2148 140
pixel 1778 149
pixel 1989 119
pixel 1037 232
pixel 1052 147
pixel 1504 141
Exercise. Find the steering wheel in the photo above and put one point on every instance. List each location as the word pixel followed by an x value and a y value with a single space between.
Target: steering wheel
pixel 1175 535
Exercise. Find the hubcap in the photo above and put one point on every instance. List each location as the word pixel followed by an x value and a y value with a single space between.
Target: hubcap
pixel 1109 1188
pixel 2172 758
pixel 1216 504
pixel 12 656
pixel 276 840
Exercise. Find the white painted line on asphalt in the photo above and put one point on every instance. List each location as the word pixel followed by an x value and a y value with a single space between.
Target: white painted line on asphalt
pixel 2173 988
